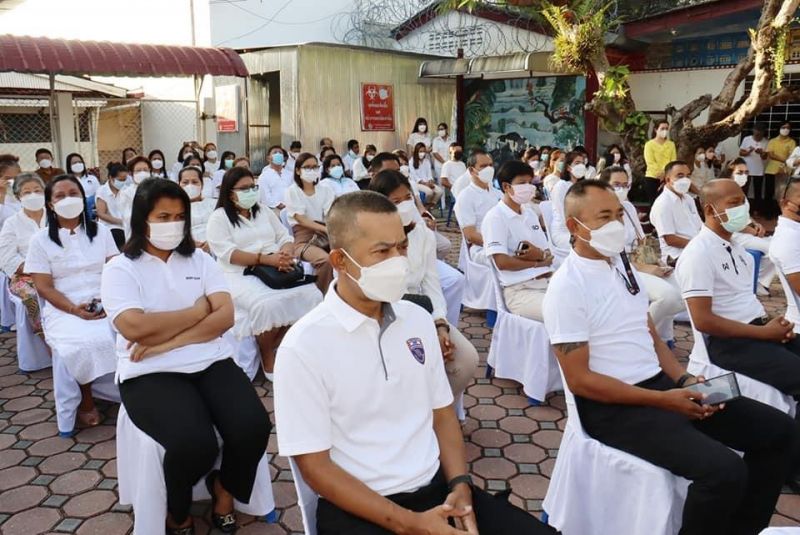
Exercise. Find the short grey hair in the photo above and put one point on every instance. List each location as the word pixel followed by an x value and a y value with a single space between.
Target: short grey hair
pixel 22 179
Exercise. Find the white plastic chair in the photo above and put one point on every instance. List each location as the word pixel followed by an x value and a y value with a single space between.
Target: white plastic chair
pixel 648 500
pixel 791 297
pixel 245 353
pixel 521 350
pixel 478 293
pixel 781 531
pixel 307 500
pixel 700 364
pixel 140 474
pixel 7 309
pixel 32 353
pixel 547 214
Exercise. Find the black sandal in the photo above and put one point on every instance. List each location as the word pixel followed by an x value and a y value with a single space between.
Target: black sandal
pixel 180 531
pixel 225 523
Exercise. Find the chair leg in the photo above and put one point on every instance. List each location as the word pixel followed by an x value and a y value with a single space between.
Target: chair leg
pixel 545 518
pixel 534 402
pixel 271 517
pixel 491 318
pixel 489 372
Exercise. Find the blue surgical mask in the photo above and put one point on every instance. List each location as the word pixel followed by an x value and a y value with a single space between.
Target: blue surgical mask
pixel 277 158
pixel 336 172
pixel 738 217
pixel 228 163
pixel 119 184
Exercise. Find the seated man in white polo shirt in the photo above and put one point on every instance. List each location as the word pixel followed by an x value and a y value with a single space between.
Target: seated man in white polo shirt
pixel 784 250
pixel 362 400
pixel 514 239
pixel 479 163
pixel 627 383
pixel 674 214
pixel 472 205
pixel 716 279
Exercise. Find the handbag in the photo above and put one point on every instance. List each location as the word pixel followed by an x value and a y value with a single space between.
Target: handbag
pixel 280 280
pixel 420 300
pixel 319 239
pixel 648 251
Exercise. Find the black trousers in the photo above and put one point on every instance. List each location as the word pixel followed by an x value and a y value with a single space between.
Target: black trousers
pixel 728 495
pixel 772 363
pixel 651 186
pixel 758 186
pixel 495 515
pixel 180 412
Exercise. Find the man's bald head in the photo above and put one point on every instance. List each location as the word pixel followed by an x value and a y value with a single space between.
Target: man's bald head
pixel 342 220
pixel 718 189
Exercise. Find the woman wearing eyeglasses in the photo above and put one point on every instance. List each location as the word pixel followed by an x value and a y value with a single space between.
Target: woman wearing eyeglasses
pixel 242 233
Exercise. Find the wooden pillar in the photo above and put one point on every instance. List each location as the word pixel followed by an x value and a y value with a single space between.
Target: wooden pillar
pixel 590 119
pixel 460 103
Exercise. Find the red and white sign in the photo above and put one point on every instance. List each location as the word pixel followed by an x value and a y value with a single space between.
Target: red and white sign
pixel 227 106
pixel 377 108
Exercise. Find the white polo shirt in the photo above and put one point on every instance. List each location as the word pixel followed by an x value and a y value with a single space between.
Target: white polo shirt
pixel 461 184
pixel 143 284
pixel 784 251
pixel 314 207
pixel 472 206
pixel 273 186
pixel 363 390
pixel 722 270
pixel 503 229
pixel 755 163
pixel 676 215
pixel 588 301
pixel 452 170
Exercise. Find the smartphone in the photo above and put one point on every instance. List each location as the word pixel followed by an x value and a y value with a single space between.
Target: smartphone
pixel 522 247
pixel 720 389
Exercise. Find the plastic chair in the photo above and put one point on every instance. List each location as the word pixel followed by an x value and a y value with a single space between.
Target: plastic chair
pixel 781 531
pixel 700 364
pixel 478 293
pixel 32 352
pixel 547 214
pixel 757 256
pixel 790 294
pixel 648 499
pixel 307 500
pixel 141 480
pixel 245 353
pixel 7 308
pixel 521 351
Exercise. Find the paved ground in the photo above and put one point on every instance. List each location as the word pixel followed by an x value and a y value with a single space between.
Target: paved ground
pixel 49 484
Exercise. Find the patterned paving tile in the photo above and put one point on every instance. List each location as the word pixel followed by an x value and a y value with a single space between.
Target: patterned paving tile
pixel 54 485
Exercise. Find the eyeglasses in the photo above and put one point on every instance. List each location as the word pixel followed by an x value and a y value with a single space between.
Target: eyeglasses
pixel 249 188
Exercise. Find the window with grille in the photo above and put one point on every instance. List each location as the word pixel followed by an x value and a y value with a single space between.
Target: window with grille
pixel 448 42
pixel 774 116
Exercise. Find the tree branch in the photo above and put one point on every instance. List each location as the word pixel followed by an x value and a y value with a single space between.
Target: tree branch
pixel 683 117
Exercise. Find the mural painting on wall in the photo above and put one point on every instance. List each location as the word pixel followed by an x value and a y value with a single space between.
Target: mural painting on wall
pixel 507 116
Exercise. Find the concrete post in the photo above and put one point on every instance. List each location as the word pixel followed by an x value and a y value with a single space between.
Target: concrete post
pixel 65 125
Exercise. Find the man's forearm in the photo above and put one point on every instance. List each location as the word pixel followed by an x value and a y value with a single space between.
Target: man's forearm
pixel 452 454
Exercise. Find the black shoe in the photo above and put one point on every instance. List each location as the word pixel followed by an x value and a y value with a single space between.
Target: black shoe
pixel 180 531
pixel 225 523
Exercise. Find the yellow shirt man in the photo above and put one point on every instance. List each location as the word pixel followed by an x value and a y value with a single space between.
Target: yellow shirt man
pixel 657 154
pixel 779 149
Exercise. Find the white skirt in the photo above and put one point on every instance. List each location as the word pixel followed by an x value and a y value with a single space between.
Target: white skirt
pixel 259 309
pixel 86 347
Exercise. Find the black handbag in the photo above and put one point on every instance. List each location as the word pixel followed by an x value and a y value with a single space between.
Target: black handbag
pixel 420 300
pixel 281 280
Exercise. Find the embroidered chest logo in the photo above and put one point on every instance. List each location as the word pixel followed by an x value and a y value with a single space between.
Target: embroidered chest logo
pixel 417 349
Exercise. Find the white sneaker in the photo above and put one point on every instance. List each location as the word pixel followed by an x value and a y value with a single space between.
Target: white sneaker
pixel 269 376
pixel 762 292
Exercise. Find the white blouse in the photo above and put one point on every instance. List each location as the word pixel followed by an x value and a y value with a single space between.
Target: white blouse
pixel 112 202
pixel 360 172
pixel 314 207
pixel 416 137
pixel 422 173
pixel 90 184
pixel 263 233
pixel 15 239
pixel 77 266
pixel 339 186
pixel 201 211
pixel 423 276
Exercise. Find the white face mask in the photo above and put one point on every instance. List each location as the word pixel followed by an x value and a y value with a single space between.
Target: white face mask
pixel 385 281
pixel 522 193
pixel 578 170
pixel 140 176
pixel 309 175
pixel 408 212
pixel 44 163
pixel 740 179
pixel 157 164
pixel 701 157
pixel 69 207
pixel 442 133
pixel 404 170
pixel 617 157
pixel 422 128
pixel 608 240
pixel 211 155
pixel 187 155
pixel 78 167
pixel 663 133
pixel 166 236
pixel 422 155
pixel 785 131
pixel 622 193
pixel 192 190
pixel 682 185
pixel 33 201
pixel 486 174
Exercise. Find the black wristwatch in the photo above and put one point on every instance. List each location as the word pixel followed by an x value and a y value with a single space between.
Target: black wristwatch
pixel 465 478
pixel 683 378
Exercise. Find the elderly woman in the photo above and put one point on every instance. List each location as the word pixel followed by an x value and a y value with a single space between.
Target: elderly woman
pixel 14 239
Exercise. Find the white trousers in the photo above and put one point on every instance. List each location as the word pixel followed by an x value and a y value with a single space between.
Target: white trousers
pixel 452 281
pixel 665 301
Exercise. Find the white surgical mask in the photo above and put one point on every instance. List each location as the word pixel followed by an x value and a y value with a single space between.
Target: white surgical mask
pixel 663 133
pixel 622 193
pixel 369 157
pixel 211 155
pixel 608 240
pixel 78 167
pixel 522 193
pixel 785 131
pixel 69 207
pixel 140 176
pixel 422 128
pixel 404 170
pixel 157 164
pixel 385 281
pixel 486 174
pixel 166 236
pixel 45 163
pixel 192 190
pixel 682 185
pixel 617 157
pixel 422 155
pixel 738 217
pixel 701 157
pixel 578 170
pixel 187 155
pixel 534 164
pixel 247 198
pixel 442 133
pixel 740 179
pixel 337 171
pixel 309 175
pixel 33 202
pixel 408 212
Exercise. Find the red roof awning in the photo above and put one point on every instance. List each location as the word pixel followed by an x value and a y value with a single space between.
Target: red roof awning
pixel 60 56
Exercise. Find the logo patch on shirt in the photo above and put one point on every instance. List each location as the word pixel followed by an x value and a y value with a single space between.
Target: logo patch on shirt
pixel 417 349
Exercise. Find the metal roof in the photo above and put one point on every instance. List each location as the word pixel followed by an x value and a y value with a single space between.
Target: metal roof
pixel 61 56
pixel 40 84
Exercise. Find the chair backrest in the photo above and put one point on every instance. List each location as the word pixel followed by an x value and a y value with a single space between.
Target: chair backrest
pixel 463 255
pixel 498 289
pixel 699 352
pixel 547 214
pixel 791 295
pixel 307 500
